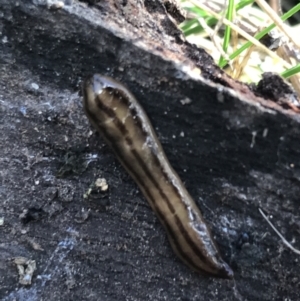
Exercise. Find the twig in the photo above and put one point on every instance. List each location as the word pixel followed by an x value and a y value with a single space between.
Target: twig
pixel 278 233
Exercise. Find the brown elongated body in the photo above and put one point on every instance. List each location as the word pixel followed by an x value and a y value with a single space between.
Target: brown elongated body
pixel 121 120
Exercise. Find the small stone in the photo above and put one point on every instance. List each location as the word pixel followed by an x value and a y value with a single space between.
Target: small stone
pixel 34 86
pixel 102 184
pixel 185 101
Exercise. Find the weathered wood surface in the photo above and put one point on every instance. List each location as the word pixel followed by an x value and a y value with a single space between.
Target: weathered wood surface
pixel 235 152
